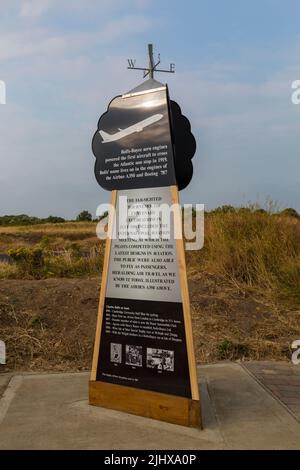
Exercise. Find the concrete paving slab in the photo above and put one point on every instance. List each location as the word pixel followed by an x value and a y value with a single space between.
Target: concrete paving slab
pixel 4 380
pixel 249 417
pixel 50 411
pixel 281 379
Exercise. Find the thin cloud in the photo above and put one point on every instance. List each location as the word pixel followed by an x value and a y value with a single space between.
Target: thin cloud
pixel 44 41
pixel 35 8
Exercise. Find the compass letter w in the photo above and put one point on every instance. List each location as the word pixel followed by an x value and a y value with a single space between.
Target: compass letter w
pixel 131 63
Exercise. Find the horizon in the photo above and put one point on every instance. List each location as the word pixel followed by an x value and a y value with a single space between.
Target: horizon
pixel 274 209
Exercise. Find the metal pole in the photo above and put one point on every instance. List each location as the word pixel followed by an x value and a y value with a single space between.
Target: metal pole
pixel 151 61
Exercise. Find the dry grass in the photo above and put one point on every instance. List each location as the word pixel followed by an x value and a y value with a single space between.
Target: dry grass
pixel 48 324
pixel 65 227
pixel 245 291
pixel 39 263
pixel 8 271
pixel 56 236
pixel 70 249
pixel 249 248
pixel 232 323
pixel 252 250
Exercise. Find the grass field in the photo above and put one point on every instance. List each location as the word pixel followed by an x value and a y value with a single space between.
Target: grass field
pixel 56 236
pixel 252 249
pixel 70 249
pixel 244 283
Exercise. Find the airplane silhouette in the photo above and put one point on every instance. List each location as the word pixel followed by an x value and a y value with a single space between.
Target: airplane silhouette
pixel 138 127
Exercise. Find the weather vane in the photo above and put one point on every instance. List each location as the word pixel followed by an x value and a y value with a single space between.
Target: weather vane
pixel 152 66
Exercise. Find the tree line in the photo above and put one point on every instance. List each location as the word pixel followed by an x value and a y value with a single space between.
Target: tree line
pixel 24 219
pixel 86 216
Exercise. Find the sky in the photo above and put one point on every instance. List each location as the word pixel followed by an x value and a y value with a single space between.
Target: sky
pixel 63 60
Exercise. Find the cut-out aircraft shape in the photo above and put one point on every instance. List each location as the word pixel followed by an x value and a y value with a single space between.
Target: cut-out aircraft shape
pixel 138 127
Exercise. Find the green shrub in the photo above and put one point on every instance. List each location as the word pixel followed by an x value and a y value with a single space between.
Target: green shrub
pixel 229 350
pixel 224 209
pixel 24 219
pixel 30 261
pixel 289 212
pixel 45 242
pixel 72 264
pixel 75 251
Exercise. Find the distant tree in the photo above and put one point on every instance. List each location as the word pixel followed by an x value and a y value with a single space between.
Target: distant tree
pixel 84 216
pixel 21 219
pixel 52 219
pixel 224 209
pixel 24 219
pixel 260 211
pixel 290 212
pixel 244 210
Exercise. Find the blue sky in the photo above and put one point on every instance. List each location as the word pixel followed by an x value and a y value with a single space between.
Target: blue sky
pixel 62 62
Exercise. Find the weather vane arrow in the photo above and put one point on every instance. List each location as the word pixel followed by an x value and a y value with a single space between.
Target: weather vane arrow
pixel 152 66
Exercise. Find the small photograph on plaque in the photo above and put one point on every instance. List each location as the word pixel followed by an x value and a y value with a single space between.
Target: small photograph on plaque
pixel 116 353
pixel 160 359
pixel 134 355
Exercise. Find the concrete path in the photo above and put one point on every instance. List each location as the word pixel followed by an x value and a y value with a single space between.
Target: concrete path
pixel 282 379
pixel 50 411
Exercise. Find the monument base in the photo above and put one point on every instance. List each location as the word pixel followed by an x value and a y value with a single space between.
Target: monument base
pixel 169 408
